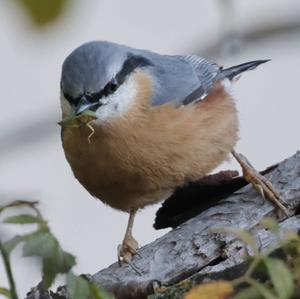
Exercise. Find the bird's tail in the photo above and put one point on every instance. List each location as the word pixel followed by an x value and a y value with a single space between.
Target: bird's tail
pixel 234 71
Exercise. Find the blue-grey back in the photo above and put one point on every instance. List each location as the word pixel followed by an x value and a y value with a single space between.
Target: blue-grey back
pixel 180 79
pixel 93 64
pixel 188 78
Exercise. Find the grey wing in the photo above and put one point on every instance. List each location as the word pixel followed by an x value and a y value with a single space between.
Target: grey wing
pixel 207 73
pixel 180 79
pixel 187 79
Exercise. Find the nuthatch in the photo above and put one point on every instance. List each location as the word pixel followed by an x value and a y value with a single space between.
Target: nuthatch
pixel 159 122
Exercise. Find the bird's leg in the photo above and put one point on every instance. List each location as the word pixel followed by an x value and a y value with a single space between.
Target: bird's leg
pixel 129 246
pixel 259 182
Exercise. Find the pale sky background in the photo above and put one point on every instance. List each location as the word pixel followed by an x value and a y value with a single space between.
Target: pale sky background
pixel 34 167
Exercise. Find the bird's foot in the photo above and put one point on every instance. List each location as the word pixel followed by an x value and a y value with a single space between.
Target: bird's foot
pixel 260 183
pixel 127 250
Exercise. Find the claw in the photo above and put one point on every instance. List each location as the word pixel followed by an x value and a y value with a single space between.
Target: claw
pixel 119 254
pixel 259 182
pixel 126 251
pixel 260 189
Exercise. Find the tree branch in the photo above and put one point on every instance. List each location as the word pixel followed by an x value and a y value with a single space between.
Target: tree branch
pixel 193 249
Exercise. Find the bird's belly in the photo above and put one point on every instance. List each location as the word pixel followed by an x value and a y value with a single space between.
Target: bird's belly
pixel 130 165
pixel 117 180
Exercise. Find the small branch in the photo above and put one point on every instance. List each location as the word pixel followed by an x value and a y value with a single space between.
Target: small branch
pixel 12 285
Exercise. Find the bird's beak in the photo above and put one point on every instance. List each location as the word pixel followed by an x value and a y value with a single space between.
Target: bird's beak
pixel 83 105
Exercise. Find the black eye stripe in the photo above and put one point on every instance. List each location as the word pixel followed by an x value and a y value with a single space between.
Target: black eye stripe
pixel 71 99
pixel 130 64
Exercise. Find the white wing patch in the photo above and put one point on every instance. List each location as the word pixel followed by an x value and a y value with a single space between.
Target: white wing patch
pixel 227 84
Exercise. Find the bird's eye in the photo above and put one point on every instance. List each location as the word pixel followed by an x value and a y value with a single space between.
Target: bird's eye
pixel 110 88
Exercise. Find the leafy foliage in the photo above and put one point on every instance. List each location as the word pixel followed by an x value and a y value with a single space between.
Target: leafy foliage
pixel 43 11
pixel 77 286
pixel 216 290
pixel 42 243
pixel 5 292
pixel 281 277
pixel 22 219
pixel 55 260
pixel 274 274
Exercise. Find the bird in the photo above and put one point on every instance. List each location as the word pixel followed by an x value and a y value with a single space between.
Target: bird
pixel 137 124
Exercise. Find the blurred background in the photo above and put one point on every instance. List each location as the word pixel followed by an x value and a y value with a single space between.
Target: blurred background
pixel 36 36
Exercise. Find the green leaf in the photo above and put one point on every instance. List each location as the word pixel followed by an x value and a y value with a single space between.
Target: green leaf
pixel 271 224
pixel 18 203
pixel 5 292
pixel 22 219
pixel 281 277
pixel 49 273
pixel 265 292
pixel 70 120
pixel 12 243
pixel 78 288
pixel 78 120
pixel 89 113
pixel 43 11
pixel 99 293
pixel 43 244
pixel 248 293
pixel 67 262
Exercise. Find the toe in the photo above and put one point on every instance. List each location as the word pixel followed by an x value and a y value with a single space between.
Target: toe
pixel 128 249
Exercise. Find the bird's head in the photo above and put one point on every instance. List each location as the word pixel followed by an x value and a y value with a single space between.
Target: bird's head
pixel 98 76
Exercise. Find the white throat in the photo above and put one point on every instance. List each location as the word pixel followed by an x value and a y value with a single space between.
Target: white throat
pixel 118 103
pixel 114 105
